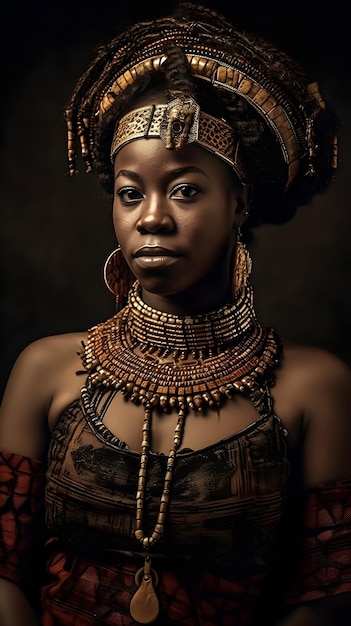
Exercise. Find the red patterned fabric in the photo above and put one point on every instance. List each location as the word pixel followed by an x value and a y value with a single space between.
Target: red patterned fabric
pixel 83 592
pixel 325 565
pixel 96 588
pixel 21 516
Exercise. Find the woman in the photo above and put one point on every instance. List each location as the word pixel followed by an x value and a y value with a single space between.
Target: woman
pixel 196 471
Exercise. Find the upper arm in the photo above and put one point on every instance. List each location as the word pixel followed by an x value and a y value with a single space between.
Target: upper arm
pixel 26 400
pixel 327 418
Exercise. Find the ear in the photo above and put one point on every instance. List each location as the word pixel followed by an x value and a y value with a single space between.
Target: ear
pixel 243 204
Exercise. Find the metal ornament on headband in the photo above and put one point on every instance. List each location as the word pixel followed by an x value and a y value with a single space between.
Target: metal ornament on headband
pixel 179 123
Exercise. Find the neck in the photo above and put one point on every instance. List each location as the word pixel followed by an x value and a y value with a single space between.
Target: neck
pixel 181 304
pixel 206 295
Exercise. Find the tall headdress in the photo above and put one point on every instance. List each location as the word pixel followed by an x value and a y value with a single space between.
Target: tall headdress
pixel 290 107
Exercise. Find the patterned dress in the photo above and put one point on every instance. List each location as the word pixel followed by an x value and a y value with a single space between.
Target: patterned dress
pixel 215 561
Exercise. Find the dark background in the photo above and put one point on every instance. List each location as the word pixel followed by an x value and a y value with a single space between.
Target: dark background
pixel 56 231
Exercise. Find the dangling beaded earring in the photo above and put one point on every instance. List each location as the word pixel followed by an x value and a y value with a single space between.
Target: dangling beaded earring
pixel 118 277
pixel 242 266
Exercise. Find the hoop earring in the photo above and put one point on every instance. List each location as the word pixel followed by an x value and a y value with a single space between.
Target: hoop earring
pixel 118 277
pixel 242 266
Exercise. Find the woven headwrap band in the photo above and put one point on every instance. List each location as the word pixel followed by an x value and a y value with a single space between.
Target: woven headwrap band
pixel 228 78
pixel 179 123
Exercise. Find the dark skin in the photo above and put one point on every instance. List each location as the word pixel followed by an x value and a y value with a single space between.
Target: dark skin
pixel 176 215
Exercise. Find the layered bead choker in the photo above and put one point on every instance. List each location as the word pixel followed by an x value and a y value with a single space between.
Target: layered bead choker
pixel 177 363
pixel 154 357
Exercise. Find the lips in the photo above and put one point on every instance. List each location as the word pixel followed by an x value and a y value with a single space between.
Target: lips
pixel 155 259
pixel 155 251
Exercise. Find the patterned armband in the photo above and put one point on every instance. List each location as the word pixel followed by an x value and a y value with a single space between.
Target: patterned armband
pixel 21 515
pixel 325 565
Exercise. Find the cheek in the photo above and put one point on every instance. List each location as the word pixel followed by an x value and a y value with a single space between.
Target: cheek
pixel 213 225
pixel 120 222
pixel 214 234
pixel 115 214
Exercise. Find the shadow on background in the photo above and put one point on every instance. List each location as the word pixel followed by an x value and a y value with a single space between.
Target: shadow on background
pixel 57 231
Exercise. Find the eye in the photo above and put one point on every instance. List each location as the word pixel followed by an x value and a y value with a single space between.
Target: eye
pixel 129 195
pixel 185 191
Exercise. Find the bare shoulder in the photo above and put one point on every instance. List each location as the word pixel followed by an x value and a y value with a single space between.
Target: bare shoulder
pixel 317 384
pixel 44 357
pixel 314 358
pixel 38 374
pixel 51 349
pixel 316 369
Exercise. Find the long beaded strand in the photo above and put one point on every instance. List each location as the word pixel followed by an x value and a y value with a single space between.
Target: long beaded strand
pixel 144 606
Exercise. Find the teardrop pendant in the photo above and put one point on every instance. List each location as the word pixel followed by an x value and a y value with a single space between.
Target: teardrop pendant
pixel 144 605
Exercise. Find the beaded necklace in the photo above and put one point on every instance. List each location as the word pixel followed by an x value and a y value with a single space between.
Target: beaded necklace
pixel 174 362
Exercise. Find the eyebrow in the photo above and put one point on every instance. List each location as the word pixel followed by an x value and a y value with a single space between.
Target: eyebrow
pixel 176 172
pixel 128 173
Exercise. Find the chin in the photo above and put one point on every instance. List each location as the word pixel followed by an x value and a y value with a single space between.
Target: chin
pixel 159 287
pixel 161 284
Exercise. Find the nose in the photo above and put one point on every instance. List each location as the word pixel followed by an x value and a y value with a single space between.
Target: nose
pixel 155 217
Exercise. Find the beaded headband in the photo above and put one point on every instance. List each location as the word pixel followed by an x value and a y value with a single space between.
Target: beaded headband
pixel 292 108
pixel 179 123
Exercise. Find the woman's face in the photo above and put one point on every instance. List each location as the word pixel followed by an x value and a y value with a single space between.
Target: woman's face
pixel 176 214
